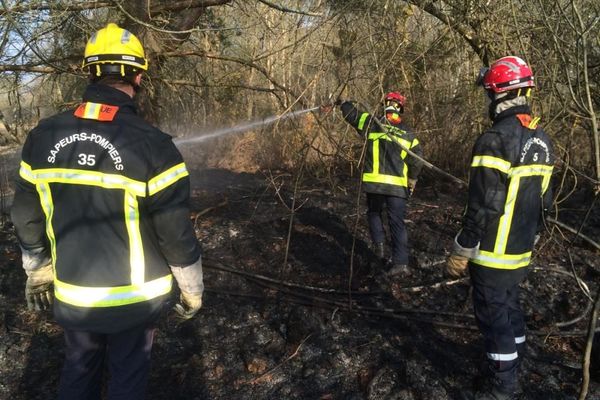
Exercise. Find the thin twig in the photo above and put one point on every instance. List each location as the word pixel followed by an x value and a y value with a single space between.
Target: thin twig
pixel 294 354
pixel 415 289
pixel 588 348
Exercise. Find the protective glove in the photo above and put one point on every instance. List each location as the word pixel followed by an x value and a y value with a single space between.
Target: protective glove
pixel 456 265
pixel 326 108
pixel 38 289
pixel 412 183
pixel 190 282
pixel 189 304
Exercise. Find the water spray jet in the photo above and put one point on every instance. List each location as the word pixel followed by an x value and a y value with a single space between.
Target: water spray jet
pixel 241 128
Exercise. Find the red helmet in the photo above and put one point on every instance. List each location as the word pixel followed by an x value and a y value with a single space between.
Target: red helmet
pixel 394 103
pixel 506 74
pixel 395 96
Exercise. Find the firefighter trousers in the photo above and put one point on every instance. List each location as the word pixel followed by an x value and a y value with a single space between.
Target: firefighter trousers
pixel 127 355
pixel 396 208
pixel 500 319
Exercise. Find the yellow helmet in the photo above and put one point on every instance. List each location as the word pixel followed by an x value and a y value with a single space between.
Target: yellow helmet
pixel 114 50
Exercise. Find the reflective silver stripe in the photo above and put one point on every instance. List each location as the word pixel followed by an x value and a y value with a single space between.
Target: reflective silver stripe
pixel 167 178
pixel 503 357
pixel 82 177
pixel 520 339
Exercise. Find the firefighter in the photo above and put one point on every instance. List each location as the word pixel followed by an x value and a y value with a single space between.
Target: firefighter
pixel 102 217
pixel 509 189
pixel 389 174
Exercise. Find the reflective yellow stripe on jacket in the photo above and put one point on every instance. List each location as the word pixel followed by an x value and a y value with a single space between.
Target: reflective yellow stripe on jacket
pixel 502 261
pixel 139 290
pixel 167 178
pixel 111 296
pixel 498 258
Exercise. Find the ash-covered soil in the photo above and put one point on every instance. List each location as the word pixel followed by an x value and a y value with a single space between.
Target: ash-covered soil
pixel 324 324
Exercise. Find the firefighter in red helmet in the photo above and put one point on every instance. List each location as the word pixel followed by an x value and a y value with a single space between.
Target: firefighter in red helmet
pixel 389 174
pixel 509 190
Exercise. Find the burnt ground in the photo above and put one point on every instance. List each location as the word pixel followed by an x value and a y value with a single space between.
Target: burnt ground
pixel 274 331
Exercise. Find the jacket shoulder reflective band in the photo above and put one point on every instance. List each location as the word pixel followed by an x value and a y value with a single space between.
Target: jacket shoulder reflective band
pixel 167 178
pixel 408 144
pixel 82 177
pixel 107 181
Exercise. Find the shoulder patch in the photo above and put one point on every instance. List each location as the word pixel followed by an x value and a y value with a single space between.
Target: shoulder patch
pixel 527 121
pixel 99 112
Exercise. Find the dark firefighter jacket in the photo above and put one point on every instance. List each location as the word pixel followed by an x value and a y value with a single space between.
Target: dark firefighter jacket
pixel 387 166
pixel 108 194
pixel 509 187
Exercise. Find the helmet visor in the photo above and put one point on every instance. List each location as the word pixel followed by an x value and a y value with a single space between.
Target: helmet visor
pixel 393 103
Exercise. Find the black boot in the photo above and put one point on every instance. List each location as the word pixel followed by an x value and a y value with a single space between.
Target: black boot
pixel 492 388
pixel 493 393
pixel 398 269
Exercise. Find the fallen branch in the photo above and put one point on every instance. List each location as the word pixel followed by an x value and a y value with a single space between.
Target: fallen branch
pixel 394 313
pixel 588 348
pixel 574 231
pixel 575 320
pixel 209 209
pixel 213 264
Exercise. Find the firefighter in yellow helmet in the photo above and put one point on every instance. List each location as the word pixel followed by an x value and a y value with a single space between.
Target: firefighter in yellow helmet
pixel 102 216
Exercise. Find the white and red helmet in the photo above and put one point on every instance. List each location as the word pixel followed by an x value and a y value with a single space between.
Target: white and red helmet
pixel 394 102
pixel 395 96
pixel 507 73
